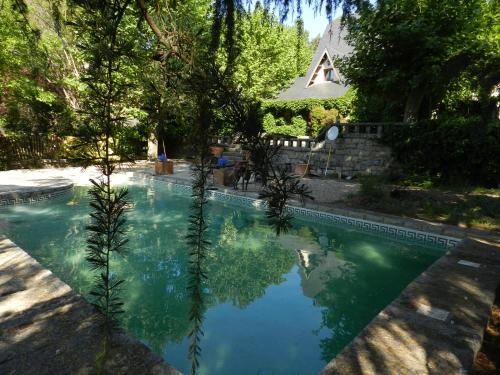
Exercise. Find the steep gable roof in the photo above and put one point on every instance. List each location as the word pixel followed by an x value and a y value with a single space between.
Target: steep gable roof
pixel 333 42
pixel 333 45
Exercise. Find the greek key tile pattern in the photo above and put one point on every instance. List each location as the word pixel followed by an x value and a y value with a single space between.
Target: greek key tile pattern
pixel 385 230
pixel 34 196
pixel 382 229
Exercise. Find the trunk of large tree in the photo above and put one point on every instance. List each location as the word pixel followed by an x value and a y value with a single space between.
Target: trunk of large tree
pixel 488 103
pixel 413 104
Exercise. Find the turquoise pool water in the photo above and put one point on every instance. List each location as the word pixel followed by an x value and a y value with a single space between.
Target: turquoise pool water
pixel 275 305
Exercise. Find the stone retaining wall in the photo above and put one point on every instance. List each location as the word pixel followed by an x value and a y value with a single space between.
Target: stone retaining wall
pixel 351 156
pixel 357 151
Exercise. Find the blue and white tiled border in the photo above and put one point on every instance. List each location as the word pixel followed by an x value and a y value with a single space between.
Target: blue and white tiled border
pixel 33 197
pixel 383 229
pixel 386 230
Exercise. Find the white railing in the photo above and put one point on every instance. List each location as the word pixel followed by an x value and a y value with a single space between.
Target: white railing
pixel 347 130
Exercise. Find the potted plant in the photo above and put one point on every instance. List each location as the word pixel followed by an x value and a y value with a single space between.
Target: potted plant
pixel 302 169
pixel 163 165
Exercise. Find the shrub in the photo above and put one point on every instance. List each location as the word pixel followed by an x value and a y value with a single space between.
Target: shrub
pixel 321 117
pixel 319 112
pixel 272 126
pixel 290 108
pixel 268 122
pixel 371 188
pixel 299 125
pixel 449 150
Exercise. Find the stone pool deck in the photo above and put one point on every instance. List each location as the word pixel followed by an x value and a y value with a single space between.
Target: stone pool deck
pixel 45 328
pixel 325 190
pixel 23 186
pixel 435 326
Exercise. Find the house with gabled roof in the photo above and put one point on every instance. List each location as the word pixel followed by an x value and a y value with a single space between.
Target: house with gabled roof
pixel 323 79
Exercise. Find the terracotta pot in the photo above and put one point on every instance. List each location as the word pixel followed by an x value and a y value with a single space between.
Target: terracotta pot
pixel 216 150
pixel 224 176
pixel 164 167
pixel 301 169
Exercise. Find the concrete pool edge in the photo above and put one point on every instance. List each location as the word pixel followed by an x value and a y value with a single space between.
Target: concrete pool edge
pixel 34 194
pixel 396 228
pixel 406 222
pixel 408 335
pixel 45 327
pixel 436 325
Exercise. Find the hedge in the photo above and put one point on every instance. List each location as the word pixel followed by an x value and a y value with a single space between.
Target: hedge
pixel 449 150
pixel 302 107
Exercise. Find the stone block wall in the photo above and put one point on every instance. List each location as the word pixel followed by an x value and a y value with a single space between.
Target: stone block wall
pixel 351 155
pixel 357 151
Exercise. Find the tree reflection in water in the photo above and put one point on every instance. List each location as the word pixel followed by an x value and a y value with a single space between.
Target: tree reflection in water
pixel 309 291
pixel 240 268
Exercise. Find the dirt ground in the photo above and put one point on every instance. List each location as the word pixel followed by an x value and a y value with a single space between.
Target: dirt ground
pixel 464 209
pixel 488 359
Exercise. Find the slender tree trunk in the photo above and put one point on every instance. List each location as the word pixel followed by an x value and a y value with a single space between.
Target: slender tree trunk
pixel 413 104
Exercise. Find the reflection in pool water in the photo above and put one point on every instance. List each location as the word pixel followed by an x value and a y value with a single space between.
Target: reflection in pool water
pixel 274 305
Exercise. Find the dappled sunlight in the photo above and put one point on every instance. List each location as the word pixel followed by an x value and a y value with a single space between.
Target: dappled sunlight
pixel 373 255
pixel 30 210
pixel 311 283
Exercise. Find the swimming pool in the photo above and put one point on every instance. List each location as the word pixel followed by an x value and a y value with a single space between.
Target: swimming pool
pixel 275 305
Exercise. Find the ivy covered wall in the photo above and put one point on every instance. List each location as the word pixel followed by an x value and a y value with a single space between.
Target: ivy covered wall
pixel 306 116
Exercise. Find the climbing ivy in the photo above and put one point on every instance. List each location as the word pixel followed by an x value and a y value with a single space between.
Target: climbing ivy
pixel 290 108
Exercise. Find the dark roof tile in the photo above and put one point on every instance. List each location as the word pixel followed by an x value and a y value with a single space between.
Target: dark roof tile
pixel 333 41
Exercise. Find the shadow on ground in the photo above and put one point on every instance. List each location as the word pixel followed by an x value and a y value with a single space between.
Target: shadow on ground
pixel 45 328
pixel 402 340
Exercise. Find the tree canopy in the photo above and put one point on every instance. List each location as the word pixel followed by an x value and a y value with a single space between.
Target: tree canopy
pixel 33 92
pixel 413 59
pixel 414 54
pixel 271 55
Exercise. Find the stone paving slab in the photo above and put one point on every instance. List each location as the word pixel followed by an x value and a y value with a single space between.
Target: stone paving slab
pixel 22 181
pixel 45 328
pixel 407 338
pixel 325 190
pixel 400 340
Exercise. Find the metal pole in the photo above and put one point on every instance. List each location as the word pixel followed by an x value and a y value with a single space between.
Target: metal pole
pixel 328 160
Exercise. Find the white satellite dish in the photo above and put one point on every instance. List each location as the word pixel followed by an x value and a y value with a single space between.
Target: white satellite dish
pixel 332 133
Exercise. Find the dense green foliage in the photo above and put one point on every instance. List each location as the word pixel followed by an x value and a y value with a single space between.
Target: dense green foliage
pixel 411 56
pixel 107 86
pixel 271 55
pixel 342 104
pixel 261 68
pixel 272 126
pixel 322 118
pixel 34 94
pixel 305 117
pixel 449 150
pixel 44 70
